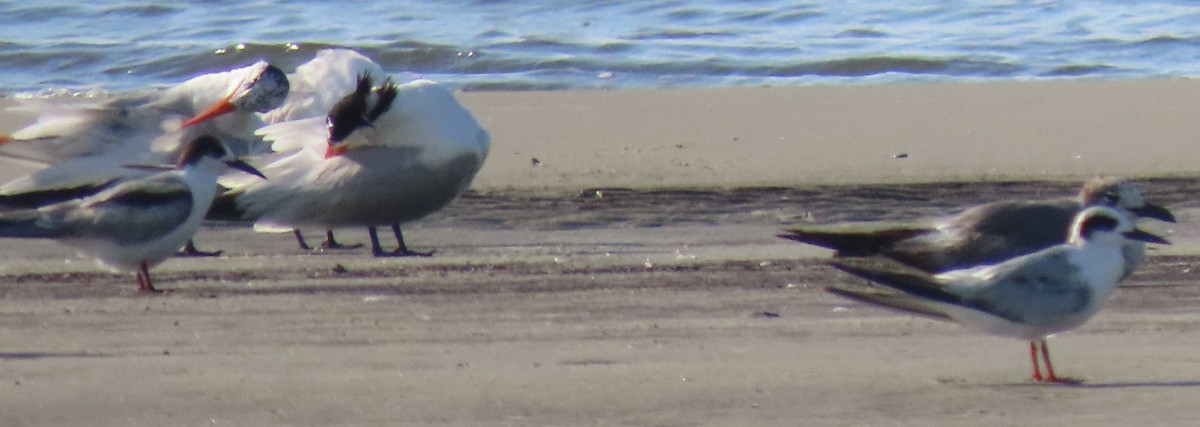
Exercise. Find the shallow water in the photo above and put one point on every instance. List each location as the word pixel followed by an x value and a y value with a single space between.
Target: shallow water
pixel 65 47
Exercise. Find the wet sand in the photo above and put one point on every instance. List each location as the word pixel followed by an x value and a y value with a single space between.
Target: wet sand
pixel 626 300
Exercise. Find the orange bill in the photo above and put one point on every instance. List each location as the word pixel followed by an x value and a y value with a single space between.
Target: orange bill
pixel 220 108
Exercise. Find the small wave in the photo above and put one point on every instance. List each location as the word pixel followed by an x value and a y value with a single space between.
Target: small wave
pixel 796 16
pixel 1076 70
pixel 752 16
pixel 1167 40
pixel 187 63
pixel 515 85
pixel 535 43
pixel 907 65
pixel 38 13
pixel 425 58
pixel 861 33
pixel 688 14
pixel 143 10
pixel 680 34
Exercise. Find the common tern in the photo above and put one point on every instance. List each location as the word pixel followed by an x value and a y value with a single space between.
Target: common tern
pixel 138 223
pixel 984 234
pixel 1030 297
pixel 381 156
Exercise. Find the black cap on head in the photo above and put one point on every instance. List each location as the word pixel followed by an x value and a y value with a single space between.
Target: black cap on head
pixel 350 112
pixel 355 110
pixel 1099 221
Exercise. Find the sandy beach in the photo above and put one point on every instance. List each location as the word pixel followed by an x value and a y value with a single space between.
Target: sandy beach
pixel 615 264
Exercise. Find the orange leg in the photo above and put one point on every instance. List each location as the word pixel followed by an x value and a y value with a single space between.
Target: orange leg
pixel 1050 377
pixel 1033 355
pixel 1049 368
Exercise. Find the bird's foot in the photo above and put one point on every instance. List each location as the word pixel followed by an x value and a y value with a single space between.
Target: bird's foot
pixel 401 253
pixel 1056 380
pixel 148 289
pixel 334 245
pixel 190 251
pixel 1063 380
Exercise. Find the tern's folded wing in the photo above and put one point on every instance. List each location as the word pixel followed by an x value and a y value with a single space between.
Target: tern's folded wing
pixel 131 212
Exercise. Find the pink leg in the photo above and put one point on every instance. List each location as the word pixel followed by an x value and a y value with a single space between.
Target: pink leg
pixel 143 279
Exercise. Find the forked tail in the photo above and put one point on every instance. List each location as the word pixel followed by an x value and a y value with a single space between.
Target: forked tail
pixel 849 242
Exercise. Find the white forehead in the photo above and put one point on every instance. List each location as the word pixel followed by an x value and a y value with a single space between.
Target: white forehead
pixel 1119 193
pixel 1130 196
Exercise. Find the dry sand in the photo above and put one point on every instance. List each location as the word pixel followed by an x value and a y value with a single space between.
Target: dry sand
pixel 631 278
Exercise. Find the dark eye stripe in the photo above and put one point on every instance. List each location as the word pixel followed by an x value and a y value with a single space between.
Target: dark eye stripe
pixel 1098 223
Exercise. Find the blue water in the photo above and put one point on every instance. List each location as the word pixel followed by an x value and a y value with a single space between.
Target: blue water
pixel 54 47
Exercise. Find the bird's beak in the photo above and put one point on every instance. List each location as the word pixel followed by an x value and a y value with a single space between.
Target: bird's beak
pixel 1150 210
pixel 241 165
pixel 221 108
pixel 1143 235
pixel 333 150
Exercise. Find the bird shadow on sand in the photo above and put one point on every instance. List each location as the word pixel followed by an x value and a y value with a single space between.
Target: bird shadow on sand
pixel 1112 385
pixel 34 355
pixel 1140 384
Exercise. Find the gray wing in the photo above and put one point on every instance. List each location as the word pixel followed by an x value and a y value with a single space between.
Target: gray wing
pixel 1040 287
pixel 1036 288
pixel 989 234
pixel 131 212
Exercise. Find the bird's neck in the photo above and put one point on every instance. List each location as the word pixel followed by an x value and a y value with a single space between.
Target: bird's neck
pixel 1102 263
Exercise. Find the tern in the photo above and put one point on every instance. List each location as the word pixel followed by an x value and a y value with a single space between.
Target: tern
pixel 317 86
pixel 984 234
pixel 138 223
pixel 381 156
pixel 1030 297
pixel 84 146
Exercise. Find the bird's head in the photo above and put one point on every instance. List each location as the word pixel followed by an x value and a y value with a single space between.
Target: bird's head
pixel 262 88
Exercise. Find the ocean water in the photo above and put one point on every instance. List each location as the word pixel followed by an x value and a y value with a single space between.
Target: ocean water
pixel 69 47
